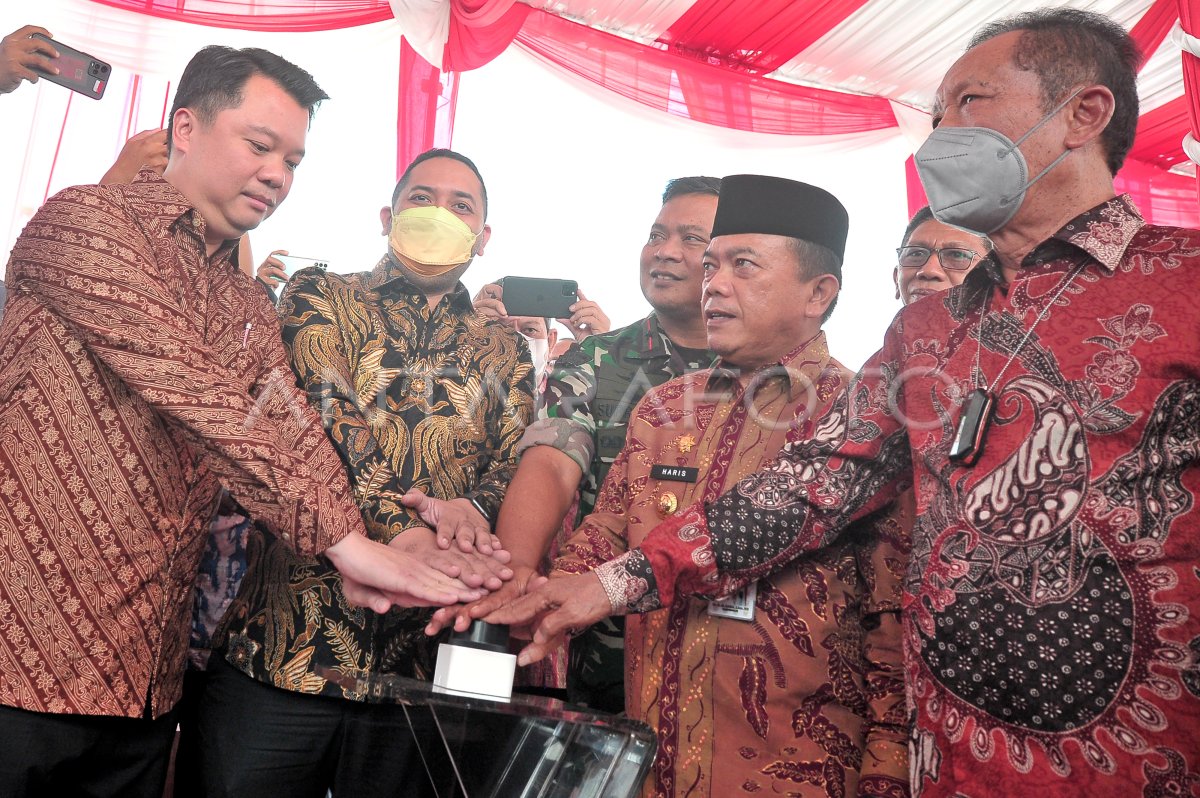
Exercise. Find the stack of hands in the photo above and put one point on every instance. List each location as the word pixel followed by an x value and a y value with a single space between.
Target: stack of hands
pixel 455 559
pixel 457 564
pixel 535 608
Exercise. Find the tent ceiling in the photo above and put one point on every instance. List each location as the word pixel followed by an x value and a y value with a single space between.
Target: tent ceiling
pixel 888 48
pixel 894 49
pixel 884 48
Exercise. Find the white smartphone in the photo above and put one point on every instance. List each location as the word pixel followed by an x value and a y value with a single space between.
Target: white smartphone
pixel 294 263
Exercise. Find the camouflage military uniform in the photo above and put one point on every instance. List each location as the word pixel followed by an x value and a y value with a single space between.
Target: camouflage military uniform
pixel 589 396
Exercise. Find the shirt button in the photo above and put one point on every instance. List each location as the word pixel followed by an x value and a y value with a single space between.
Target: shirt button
pixel 286 536
pixel 195 221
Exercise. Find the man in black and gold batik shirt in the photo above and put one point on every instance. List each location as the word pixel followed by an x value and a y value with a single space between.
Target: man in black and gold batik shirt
pixel 425 400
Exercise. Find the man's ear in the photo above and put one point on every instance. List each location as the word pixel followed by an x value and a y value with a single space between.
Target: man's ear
pixel 385 219
pixel 896 280
pixel 551 339
pixel 1091 112
pixel 183 123
pixel 484 237
pixel 824 290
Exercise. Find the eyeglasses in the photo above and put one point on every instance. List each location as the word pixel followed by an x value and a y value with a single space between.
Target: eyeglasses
pixel 953 258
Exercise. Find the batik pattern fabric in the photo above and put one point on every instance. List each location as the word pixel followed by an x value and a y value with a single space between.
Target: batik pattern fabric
pixel 432 399
pixel 590 393
pixel 1052 607
pixel 806 696
pixel 222 568
pixel 137 375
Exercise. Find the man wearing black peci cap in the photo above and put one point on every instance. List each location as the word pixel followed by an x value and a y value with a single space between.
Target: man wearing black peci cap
pixel 794 683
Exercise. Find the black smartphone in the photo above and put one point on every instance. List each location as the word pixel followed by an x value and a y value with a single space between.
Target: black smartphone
pixel 77 70
pixel 540 296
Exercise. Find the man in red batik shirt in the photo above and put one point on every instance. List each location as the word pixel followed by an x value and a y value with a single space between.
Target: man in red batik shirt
pixel 1047 411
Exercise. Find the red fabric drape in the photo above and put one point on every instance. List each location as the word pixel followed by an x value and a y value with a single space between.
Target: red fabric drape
pixel 756 37
pixel 1162 197
pixel 1160 133
pixel 425 111
pixel 915 191
pixel 715 95
pixel 263 15
pixel 1154 25
pixel 480 30
pixel 1189 17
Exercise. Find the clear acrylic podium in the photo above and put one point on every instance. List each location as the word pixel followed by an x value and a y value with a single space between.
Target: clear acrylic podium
pixel 474 746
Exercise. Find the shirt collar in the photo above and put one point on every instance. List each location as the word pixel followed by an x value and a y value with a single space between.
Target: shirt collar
pixel 649 340
pixel 1103 232
pixel 171 207
pixel 387 273
pixel 798 369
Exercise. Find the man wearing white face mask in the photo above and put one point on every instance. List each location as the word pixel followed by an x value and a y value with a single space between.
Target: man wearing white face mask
pixel 541 336
pixel 425 400
pixel 1047 412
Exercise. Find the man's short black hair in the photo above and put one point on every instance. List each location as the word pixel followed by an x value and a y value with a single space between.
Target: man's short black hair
pixel 439 152
pixel 215 77
pixel 815 260
pixel 919 218
pixel 681 186
pixel 925 214
pixel 1068 47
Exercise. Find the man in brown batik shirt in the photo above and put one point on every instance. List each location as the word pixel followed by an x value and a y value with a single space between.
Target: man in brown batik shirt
pixel 139 372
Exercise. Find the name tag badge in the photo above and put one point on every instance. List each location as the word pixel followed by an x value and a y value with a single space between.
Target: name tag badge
pixel 739 606
pixel 672 473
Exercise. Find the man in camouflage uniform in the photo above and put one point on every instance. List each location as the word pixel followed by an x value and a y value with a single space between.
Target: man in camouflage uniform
pixel 580 429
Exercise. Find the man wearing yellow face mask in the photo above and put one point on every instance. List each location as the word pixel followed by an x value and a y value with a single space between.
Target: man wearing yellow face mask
pixel 425 400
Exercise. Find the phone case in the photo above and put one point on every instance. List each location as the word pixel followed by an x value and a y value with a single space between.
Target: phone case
pixel 294 263
pixel 539 296
pixel 78 71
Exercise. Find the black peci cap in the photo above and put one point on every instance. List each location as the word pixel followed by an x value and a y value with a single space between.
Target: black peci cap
pixel 781 207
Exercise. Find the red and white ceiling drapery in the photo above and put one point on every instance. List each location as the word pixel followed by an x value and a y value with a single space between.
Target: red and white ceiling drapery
pixel 791 67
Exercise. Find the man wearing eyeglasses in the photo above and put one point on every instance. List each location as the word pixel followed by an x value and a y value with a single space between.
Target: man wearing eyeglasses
pixel 1048 413
pixel 933 257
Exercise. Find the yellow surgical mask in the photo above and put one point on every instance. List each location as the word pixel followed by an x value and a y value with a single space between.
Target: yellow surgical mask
pixel 431 240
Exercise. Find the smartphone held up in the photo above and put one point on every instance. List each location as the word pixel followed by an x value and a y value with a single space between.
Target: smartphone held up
pixel 539 296
pixel 77 70
pixel 289 265
pixel 294 263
